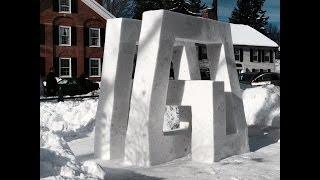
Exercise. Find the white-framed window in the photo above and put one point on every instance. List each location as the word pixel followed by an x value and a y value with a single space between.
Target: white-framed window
pixel 267 56
pixel 65 35
pixel 94 67
pixel 237 54
pixel 255 55
pixel 94 37
pixel 65 6
pixel 65 67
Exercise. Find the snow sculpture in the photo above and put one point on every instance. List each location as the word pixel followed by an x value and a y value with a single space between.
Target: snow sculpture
pixel 116 83
pixel 130 118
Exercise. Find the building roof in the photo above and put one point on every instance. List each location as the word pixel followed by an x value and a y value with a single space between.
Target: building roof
pixel 96 7
pixel 246 35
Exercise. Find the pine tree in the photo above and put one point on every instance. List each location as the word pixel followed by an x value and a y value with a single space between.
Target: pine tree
pixel 249 12
pixel 190 7
pixel 145 5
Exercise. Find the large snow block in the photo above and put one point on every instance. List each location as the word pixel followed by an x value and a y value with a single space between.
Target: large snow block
pixel 208 114
pixel 116 83
pixel 160 30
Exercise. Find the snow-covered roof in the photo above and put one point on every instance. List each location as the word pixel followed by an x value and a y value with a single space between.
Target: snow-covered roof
pixel 246 35
pixel 96 7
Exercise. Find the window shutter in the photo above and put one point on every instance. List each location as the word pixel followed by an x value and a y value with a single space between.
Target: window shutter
pixel 55 5
pixel 74 67
pixel 56 35
pixel 86 66
pixel 56 66
pixel 73 36
pixel 102 36
pixel 241 55
pixel 86 36
pixel 262 55
pixel 199 52
pixel 101 62
pixel 74 6
pixel 251 55
pixel 271 56
pixel 259 55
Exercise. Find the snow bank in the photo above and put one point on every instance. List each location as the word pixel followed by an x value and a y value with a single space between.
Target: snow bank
pixel 262 106
pixel 58 162
pixel 70 119
pixel 61 121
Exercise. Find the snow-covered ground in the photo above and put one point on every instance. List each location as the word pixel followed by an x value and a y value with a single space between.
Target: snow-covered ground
pixel 67 131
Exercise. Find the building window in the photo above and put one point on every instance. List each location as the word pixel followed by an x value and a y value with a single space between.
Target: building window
pixel 65 35
pixel 267 56
pixel 237 54
pixel 65 67
pixel 65 6
pixel 94 37
pixel 95 67
pixel 255 55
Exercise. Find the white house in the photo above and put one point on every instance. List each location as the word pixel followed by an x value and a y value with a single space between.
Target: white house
pixel 253 51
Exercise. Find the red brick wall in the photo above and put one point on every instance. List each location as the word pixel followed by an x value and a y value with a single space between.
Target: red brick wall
pixel 84 17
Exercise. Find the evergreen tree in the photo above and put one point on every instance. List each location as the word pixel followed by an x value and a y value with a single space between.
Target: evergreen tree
pixel 146 5
pixel 249 12
pixel 190 7
pixel 119 8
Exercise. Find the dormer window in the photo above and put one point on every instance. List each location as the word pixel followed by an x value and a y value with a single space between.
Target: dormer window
pixel 65 6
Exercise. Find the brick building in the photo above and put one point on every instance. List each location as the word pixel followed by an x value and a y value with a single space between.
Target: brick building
pixel 72 37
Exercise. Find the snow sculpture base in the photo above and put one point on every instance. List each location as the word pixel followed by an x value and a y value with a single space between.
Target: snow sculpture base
pixel 130 118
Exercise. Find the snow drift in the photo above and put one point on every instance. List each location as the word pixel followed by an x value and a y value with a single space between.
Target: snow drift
pixel 262 106
pixel 58 162
pixel 60 122
pixel 70 119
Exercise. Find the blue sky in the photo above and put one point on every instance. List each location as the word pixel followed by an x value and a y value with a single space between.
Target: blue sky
pixel 225 8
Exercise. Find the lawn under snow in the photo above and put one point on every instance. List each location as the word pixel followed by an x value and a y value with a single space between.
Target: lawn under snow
pixel 62 123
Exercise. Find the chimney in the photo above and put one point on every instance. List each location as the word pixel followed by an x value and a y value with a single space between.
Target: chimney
pixel 214 9
pixel 211 13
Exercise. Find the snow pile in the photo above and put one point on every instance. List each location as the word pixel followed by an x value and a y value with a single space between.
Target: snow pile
pixel 58 162
pixel 262 106
pixel 70 119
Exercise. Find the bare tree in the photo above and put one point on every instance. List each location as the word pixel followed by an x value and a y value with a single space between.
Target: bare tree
pixel 273 32
pixel 119 8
